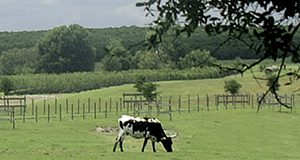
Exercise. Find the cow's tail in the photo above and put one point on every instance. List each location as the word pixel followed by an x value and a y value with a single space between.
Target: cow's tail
pixel 121 125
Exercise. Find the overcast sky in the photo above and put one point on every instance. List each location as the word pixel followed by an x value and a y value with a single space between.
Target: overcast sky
pixel 28 15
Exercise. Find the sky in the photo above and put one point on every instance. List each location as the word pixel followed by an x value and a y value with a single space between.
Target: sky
pixel 33 15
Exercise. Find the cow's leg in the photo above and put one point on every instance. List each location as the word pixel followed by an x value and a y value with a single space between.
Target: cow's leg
pixel 121 146
pixel 153 146
pixel 115 146
pixel 144 144
pixel 120 140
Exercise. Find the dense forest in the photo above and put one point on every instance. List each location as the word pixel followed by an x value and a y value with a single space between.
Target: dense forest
pixel 74 49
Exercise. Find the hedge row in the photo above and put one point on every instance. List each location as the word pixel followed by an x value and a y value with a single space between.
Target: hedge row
pixel 75 82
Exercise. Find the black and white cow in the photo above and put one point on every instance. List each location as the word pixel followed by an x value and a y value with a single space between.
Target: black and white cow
pixel 148 128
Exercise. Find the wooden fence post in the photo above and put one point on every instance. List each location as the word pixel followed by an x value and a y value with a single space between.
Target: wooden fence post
pixel 13 117
pixel 127 105
pixel 44 106
pixel 72 111
pixel 252 99
pixel 189 104
pixel 89 105
pixel 67 106
pixel 48 112
pixel 105 110
pixel 293 102
pixel 78 106
pixel 179 104
pixel 207 102
pixel 32 107
pixel 170 108
pixel 55 106
pixel 36 114
pixel 95 110
pixel 83 111
pixel 124 101
pixel 110 104
pixel 60 116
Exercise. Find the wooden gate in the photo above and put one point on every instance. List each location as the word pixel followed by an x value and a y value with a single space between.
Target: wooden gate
pixel 9 106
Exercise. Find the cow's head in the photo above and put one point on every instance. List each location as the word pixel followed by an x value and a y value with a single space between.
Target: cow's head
pixel 167 143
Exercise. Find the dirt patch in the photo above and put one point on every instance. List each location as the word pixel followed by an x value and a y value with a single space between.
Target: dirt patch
pixel 106 130
pixel 42 96
pixel 115 130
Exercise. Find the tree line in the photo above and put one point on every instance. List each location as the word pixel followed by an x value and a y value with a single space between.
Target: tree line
pixel 75 49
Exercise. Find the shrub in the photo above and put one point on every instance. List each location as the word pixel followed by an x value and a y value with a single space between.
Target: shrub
pixel 147 89
pixel 6 85
pixel 232 86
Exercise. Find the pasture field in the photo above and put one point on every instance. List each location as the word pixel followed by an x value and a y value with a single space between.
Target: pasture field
pixel 226 134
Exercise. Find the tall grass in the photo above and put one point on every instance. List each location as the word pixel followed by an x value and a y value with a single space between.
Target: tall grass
pixel 75 82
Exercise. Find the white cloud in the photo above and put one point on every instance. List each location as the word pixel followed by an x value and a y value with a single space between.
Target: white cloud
pixel 50 2
pixel 133 14
pixel 47 14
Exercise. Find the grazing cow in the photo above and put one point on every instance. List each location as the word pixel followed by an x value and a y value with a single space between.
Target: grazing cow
pixel 148 128
pixel 271 69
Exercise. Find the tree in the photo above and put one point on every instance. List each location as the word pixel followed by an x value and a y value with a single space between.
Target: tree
pixel 232 86
pixel 18 61
pixel 148 60
pixel 148 89
pixel 66 49
pixel 267 27
pixel 197 58
pixel 6 85
pixel 117 57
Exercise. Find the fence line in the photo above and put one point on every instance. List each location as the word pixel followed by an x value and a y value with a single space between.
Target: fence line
pixel 99 108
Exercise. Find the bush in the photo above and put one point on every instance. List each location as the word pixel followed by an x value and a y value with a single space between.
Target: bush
pixel 147 89
pixel 6 85
pixel 232 86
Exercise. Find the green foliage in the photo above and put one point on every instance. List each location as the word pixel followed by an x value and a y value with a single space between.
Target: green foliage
pixel 66 49
pixel 232 86
pixel 273 83
pixel 117 57
pixel 19 40
pixel 6 85
pixel 75 82
pixel 254 23
pixel 149 60
pixel 148 89
pixel 18 61
pixel 197 58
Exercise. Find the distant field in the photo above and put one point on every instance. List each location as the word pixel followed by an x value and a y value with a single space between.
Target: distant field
pixel 201 87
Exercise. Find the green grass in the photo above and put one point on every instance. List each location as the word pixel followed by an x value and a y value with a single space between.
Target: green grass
pixel 226 134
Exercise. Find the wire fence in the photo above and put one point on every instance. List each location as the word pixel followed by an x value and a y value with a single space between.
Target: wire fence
pixel 65 109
